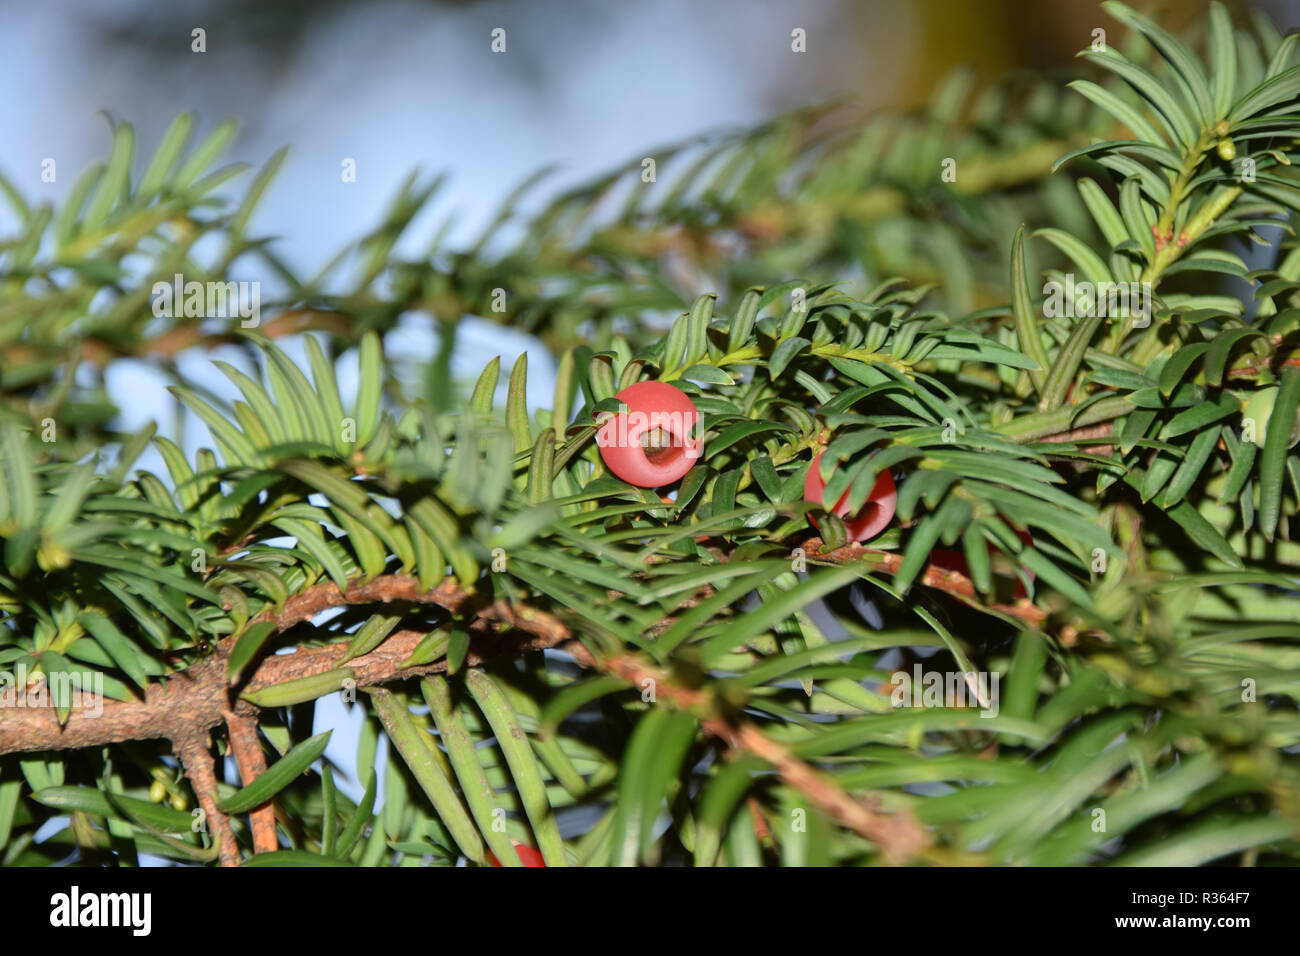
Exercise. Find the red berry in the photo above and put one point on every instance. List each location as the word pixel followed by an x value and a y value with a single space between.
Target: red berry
pixel 527 855
pixel 950 561
pixel 956 560
pixel 650 445
pixel 875 514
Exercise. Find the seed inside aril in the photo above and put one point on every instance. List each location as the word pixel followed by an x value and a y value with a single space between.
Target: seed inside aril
pixel 660 446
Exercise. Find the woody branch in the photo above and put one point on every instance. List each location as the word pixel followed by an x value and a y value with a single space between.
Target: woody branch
pixel 187 706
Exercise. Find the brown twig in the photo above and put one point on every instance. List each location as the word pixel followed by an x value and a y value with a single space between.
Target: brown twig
pixel 197 763
pixel 899 835
pixel 197 699
pixel 184 708
pixel 252 764
pixel 953 583
pixel 761 828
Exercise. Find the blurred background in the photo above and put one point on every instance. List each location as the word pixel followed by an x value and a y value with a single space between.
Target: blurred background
pixel 396 85
pixel 399 84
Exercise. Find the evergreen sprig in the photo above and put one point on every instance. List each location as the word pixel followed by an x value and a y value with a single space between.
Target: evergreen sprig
pixel 550 648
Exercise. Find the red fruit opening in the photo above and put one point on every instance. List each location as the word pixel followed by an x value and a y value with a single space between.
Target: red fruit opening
pixel 650 445
pixel 662 448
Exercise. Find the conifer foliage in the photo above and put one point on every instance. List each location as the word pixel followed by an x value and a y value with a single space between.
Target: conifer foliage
pixel 1074 642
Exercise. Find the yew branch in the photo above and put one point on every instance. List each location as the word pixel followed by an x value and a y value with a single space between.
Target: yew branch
pixel 197 763
pixel 185 707
pixel 252 764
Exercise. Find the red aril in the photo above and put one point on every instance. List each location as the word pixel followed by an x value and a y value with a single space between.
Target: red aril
pixel 650 444
pixel 527 855
pixel 875 514
pixel 956 560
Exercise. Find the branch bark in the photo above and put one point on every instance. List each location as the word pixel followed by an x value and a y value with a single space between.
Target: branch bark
pixel 197 763
pixel 953 583
pixel 185 707
pixel 252 764
pixel 899 835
